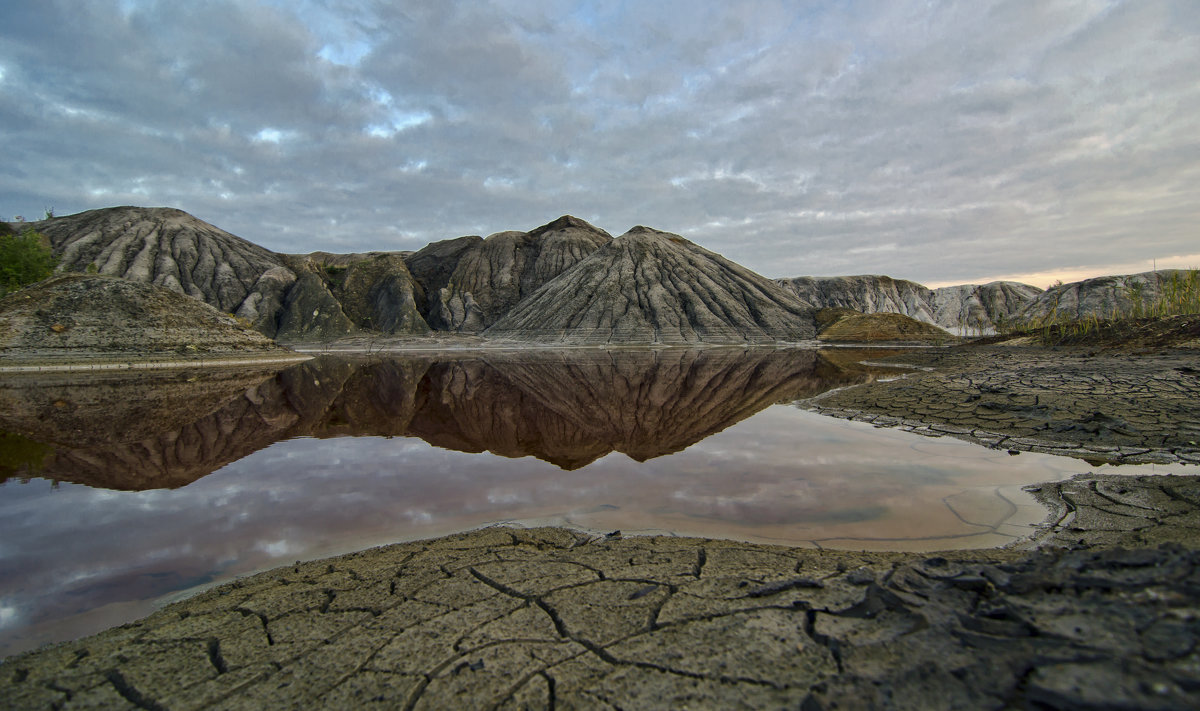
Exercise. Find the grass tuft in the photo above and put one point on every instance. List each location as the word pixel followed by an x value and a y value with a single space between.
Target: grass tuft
pixel 1178 295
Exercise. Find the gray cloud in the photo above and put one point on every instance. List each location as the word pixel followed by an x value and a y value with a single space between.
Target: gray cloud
pixel 951 141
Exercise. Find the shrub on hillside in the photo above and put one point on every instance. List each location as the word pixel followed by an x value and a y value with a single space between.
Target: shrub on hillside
pixel 24 259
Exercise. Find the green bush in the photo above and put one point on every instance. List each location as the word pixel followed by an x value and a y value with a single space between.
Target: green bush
pixel 24 259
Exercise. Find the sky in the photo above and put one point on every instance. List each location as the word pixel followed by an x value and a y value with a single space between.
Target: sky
pixel 943 142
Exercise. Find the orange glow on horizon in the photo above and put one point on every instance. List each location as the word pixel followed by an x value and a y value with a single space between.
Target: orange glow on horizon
pixel 1045 278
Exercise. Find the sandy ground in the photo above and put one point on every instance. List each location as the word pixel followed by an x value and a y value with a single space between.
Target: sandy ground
pixel 1100 609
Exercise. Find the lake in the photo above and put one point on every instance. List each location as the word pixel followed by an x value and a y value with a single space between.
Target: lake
pixel 124 490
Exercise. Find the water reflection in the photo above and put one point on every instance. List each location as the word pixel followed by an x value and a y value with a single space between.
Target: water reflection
pixel 566 408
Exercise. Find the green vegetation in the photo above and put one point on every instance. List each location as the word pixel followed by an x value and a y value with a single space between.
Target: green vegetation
pixel 1178 295
pixel 336 275
pixel 20 456
pixel 24 259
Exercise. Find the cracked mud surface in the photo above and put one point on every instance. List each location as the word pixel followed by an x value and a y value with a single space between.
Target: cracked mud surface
pixel 551 618
pixel 1113 407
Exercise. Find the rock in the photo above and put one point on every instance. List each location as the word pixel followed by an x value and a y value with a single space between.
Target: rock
pixel 649 287
pixel 978 309
pixel 491 276
pixel 968 307
pixel 310 312
pixel 376 290
pixel 433 266
pixel 90 315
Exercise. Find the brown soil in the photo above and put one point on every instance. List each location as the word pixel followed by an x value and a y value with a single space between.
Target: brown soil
pixel 846 326
pixel 81 316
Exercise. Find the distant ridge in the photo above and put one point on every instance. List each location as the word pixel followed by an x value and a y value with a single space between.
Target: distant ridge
pixel 655 287
pixel 966 307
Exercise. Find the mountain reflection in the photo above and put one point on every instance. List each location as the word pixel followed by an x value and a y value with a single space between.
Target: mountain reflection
pixel 139 431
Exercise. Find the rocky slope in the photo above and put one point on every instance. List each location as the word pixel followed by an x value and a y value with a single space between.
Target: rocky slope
pixel 455 285
pixel 966 307
pixel 283 296
pixel 470 283
pixel 652 287
pixel 172 249
pixel 375 291
pixel 1106 295
pixel 86 313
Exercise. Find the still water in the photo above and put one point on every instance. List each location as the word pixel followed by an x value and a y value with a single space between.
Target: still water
pixel 123 491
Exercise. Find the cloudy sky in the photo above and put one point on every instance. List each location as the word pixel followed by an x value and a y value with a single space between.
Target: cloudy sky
pixel 944 142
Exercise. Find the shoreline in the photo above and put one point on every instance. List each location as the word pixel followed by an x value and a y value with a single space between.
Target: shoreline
pixel 1099 408
pixel 100 363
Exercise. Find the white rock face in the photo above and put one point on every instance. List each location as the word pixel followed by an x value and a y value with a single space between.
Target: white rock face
pixel 1104 296
pixel 964 308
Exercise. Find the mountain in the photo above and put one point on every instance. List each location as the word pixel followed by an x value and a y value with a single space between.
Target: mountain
pixel 470 282
pixel 966 307
pixel 652 287
pixel 283 296
pixel 170 248
pixel 564 282
pixel 76 313
pixel 455 285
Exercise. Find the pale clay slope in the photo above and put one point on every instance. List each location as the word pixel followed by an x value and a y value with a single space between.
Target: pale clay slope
pixel 967 306
pixel 491 276
pixel 649 286
pixel 170 248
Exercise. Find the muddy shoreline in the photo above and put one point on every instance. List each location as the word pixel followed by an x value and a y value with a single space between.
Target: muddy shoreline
pixel 1099 609
pixel 1112 407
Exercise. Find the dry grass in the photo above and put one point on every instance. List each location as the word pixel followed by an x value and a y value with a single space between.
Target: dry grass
pixel 1179 295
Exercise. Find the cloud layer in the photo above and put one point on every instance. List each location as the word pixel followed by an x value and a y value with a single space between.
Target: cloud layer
pixel 936 141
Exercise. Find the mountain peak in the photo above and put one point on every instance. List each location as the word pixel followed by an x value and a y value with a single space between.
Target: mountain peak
pixel 567 222
pixel 649 286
